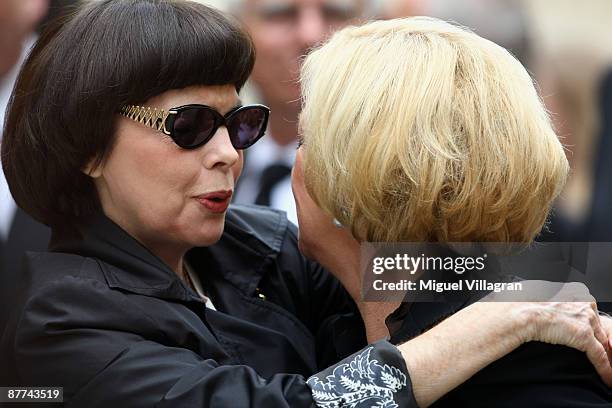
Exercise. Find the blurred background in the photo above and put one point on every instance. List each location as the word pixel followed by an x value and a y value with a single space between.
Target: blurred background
pixel 566 45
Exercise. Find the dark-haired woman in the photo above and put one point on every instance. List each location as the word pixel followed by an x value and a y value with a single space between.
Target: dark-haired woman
pixel 125 135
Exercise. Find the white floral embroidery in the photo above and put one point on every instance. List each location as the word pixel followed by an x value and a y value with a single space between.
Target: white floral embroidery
pixel 361 383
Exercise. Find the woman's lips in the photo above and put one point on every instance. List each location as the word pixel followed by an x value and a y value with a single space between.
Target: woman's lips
pixel 217 201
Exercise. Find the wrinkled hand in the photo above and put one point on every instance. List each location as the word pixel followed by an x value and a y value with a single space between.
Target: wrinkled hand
pixel 566 314
pixel 606 323
pixel 576 325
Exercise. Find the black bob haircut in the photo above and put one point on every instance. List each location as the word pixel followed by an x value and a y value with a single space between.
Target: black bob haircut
pixel 62 113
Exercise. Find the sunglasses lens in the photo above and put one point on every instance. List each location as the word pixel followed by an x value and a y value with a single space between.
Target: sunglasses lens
pixel 247 126
pixel 193 127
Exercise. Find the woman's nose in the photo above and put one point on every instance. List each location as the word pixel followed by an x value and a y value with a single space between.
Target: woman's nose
pixel 219 150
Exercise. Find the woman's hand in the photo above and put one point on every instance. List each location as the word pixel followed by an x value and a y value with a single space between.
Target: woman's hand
pixel 606 323
pixel 561 313
pixel 484 332
pixel 572 324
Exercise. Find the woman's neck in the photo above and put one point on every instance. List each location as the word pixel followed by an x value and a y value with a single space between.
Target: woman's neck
pixel 173 257
pixel 374 315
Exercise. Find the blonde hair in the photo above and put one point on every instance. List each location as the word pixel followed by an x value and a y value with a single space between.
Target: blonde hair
pixel 418 130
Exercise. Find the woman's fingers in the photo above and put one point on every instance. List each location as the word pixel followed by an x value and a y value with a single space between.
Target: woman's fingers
pixel 606 323
pixel 601 356
pixel 598 355
pixel 566 314
pixel 576 325
pixel 601 335
pixel 606 326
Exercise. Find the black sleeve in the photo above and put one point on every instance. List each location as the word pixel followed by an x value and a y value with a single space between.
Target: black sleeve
pixel 79 334
pixel 373 377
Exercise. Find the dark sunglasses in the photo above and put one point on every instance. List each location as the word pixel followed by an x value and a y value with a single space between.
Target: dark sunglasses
pixel 190 126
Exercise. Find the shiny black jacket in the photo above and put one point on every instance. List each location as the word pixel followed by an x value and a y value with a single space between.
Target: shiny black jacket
pixel 109 322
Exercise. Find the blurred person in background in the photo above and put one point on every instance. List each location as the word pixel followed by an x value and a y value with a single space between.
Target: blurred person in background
pixel 599 224
pixel 502 21
pixel 18 231
pixel 283 32
pixel 570 97
pixel 18 19
pixel 573 55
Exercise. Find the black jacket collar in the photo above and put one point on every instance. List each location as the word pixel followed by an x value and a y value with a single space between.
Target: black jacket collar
pixel 252 237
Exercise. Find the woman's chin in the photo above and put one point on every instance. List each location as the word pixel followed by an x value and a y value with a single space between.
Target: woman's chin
pixel 208 235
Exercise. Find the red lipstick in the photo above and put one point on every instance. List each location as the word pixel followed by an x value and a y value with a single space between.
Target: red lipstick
pixel 217 201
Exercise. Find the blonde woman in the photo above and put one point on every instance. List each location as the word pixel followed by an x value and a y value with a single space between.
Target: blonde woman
pixel 419 130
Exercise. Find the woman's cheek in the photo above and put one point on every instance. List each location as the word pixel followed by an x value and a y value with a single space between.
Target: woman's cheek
pixel 237 168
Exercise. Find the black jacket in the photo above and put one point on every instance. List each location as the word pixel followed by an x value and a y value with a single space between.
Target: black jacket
pixel 106 320
pixel 25 234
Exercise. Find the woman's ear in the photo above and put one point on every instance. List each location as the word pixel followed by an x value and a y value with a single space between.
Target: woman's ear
pixel 93 168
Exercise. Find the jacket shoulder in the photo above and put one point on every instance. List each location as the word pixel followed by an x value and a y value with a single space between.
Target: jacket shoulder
pixel 263 225
pixel 41 268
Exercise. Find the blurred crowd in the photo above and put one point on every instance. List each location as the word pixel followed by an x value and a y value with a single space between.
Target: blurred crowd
pixel 565 45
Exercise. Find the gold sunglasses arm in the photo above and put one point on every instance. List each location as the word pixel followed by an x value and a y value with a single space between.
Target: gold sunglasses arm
pixel 152 117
